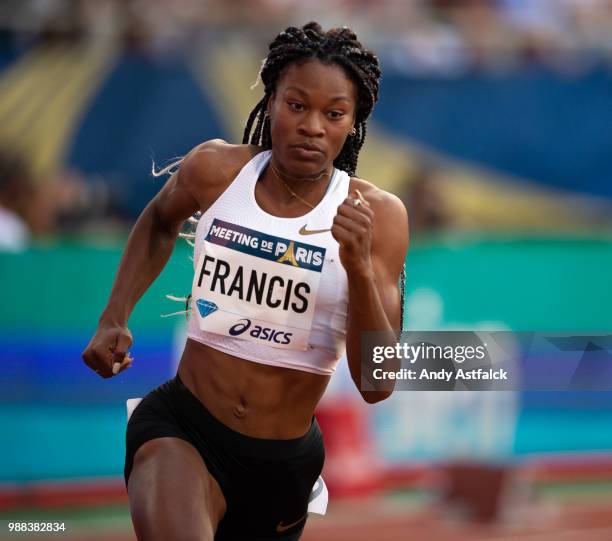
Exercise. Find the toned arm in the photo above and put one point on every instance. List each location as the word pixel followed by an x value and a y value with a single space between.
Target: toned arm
pixel 374 297
pixel 148 249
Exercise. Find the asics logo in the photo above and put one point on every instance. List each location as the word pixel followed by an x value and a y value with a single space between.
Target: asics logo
pixel 265 334
pixel 238 328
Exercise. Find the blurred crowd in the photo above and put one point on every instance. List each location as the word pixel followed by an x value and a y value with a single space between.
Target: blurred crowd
pixel 434 36
pixel 414 37
pixel 64 203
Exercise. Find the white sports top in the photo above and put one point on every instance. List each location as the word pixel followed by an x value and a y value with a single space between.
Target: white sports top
pixel 268 289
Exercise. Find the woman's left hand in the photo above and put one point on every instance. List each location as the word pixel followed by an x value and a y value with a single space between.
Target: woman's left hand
pixel 352 228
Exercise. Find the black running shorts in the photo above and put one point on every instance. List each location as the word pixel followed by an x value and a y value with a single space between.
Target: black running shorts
pixel 266 483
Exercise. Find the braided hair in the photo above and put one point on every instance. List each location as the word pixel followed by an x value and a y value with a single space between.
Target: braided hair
pixel 337 46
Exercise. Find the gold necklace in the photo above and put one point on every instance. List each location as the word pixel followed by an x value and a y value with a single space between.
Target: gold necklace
pixel 293 194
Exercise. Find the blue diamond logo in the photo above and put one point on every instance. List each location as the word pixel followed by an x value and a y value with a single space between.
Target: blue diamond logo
pixel 206 307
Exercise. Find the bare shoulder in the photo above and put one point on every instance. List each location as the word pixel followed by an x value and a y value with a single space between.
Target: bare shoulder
pixel 387 207
pixel 215 160
pixel 212 165
pixel 390 227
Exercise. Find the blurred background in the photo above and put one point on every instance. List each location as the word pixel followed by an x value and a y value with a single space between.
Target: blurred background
pixel 494 126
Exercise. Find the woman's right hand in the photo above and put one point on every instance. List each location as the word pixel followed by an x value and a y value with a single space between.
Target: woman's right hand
pixel 107 352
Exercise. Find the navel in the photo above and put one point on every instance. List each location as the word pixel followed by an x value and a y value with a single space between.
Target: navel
pixel 240 410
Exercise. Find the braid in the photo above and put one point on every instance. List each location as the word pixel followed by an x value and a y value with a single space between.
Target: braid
pixel 337 46
pixel 266 139
pixel 251 119
pixel 258 128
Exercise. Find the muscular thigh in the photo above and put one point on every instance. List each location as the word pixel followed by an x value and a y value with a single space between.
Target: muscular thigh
pixel 172 494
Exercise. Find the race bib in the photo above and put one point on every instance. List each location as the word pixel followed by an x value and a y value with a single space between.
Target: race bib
pixel 256 287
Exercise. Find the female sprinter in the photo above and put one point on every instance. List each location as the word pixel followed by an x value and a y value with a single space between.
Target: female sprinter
pixel 294 259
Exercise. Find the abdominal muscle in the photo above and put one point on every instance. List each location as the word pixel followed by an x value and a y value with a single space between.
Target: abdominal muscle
pixel 254 399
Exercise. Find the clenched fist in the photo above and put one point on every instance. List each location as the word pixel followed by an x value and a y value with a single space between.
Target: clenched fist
pixel 107 352
pixel 352 228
